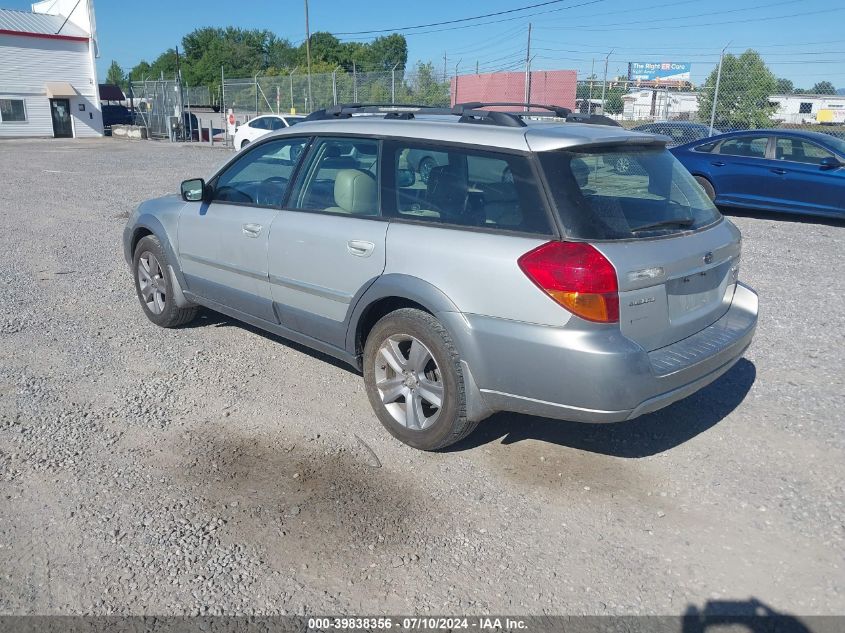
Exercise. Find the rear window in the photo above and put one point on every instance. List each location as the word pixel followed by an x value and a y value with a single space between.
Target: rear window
pixel 625 193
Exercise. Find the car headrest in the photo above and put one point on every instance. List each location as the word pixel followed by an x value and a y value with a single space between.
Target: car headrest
pixel 355 191
pixel 446 191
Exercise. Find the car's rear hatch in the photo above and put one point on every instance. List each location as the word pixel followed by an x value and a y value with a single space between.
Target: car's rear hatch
pixel 676 259
pixel 671 288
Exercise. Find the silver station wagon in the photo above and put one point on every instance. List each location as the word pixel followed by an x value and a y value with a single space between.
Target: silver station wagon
pixel 519 272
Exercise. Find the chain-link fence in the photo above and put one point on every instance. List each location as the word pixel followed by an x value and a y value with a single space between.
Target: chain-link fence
pixel 294 93
pixel 739 93
pixel 724 101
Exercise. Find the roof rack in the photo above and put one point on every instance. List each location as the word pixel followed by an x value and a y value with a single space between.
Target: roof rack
pixel 389 110
pixel 470 112
pixel 559 111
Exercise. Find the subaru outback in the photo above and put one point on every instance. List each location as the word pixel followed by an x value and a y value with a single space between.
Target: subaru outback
pixel 520 272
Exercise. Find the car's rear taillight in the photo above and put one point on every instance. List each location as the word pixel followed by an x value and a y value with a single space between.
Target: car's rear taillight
pixel 577 276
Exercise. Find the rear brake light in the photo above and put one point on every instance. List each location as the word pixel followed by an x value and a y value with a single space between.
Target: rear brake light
pixel 577 276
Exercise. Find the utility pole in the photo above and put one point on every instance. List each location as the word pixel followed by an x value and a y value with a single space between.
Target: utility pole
pixel 308 53
pixel 592 76
pixel 716 92
pixel 528 70
pixel 604 83
pixel 444 67
pixel 476 66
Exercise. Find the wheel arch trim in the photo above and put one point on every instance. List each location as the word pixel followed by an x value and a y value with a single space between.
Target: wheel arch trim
pixel 398 286
pixel 148 224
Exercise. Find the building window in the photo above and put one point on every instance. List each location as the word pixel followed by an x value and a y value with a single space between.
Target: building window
pixel 12 110
pixel 806 107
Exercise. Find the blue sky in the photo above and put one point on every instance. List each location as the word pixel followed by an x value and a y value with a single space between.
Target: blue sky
pixel 802 40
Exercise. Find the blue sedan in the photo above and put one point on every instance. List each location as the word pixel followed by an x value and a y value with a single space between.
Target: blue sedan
pixel 771 170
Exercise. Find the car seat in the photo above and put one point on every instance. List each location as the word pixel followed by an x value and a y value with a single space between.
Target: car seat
pixel 355 193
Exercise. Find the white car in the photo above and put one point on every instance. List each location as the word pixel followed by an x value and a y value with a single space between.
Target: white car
pixel 261 125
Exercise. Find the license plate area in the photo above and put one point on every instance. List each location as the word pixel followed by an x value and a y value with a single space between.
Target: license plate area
pixel 697 292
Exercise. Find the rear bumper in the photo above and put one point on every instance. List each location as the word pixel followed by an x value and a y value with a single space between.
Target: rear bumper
pixel 594 374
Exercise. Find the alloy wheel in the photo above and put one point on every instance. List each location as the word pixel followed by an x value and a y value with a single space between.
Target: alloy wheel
pixel 409 381
pixel 151 282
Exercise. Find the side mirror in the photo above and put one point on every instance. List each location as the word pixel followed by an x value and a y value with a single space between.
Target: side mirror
pixel 405 177
pixel 193 190
pixel 830 162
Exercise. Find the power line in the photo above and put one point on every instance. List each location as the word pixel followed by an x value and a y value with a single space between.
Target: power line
pixel 768 5
pixel 469 26
pixel 589 27
pixel 477 17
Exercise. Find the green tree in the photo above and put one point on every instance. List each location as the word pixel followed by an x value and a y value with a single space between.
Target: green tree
pixel 425 88
pixel 140 71
pixel 383 53
pixel 824 88
pixel 582 90
pixel 785 86
pixel 613 102
pixel 744 92
pixel 115 75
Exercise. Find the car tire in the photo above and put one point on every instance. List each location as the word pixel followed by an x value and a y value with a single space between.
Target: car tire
pixel 708 187
pixel 245 143
pixel 425 167
pixel 153 285
pixel 409 355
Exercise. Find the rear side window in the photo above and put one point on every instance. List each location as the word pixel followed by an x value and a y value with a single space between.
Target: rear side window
pixel 465 187
pixel 751 146
pixel 625 193
pixel 705 148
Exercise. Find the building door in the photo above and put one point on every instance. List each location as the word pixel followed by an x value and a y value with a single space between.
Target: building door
pixel 60 112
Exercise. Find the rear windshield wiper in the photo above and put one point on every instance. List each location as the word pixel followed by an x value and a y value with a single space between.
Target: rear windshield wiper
pixel 670 222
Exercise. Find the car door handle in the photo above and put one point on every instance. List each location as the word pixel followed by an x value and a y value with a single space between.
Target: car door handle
pixel 251 230
pixel 717 163
pixel 778 170
pixel 360 248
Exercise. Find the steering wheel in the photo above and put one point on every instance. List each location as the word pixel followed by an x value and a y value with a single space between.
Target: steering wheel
pixel 271 191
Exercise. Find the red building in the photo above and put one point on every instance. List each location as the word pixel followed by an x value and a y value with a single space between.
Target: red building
pixel 546 86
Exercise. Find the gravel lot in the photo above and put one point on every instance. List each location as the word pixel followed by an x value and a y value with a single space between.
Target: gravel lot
pixel 217 469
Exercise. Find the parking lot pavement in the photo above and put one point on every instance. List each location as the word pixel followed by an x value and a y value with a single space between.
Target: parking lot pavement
pixel 218 469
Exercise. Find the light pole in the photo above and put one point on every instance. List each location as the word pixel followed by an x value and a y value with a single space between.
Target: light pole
pixel 334 84
pixel 308 53
pixel 291 89
pixel 393 82
pixel 716 91
pixel 604 83
pixel 456 79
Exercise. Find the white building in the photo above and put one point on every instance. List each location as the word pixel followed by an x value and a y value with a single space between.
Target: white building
pixel 809 108
pixel 659 104
pixel 48 75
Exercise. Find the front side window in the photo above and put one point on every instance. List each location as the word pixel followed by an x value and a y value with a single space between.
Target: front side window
pixel 259 124
pixel 12 111
pixel 261 176
pixel 625 193
pixel 750 146
pixel 466 187
pixel 797 150
pixel 341 177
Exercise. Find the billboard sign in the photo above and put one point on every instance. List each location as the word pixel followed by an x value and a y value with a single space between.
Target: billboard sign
pixel 659 71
